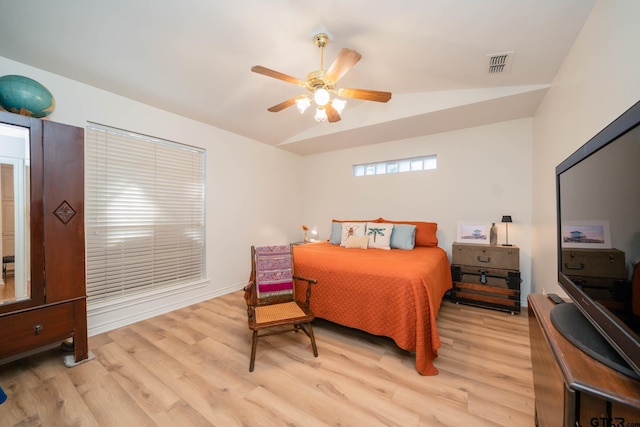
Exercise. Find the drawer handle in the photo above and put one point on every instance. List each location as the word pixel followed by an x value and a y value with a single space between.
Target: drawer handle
pixel 37 329
pixel 579 266
pixel 485 259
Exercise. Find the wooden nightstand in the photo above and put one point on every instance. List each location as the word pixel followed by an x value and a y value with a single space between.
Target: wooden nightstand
pixel 486 276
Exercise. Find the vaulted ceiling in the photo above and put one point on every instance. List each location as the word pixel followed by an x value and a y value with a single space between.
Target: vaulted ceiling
pixel 193 58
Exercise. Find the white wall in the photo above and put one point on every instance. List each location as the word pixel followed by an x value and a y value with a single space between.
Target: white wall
pixel 483 173
pixel 597 82
pixel 249 188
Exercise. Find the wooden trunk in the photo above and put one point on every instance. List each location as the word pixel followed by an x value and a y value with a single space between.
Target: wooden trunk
pixel 499 289
pixel 485 256
pixel 486 276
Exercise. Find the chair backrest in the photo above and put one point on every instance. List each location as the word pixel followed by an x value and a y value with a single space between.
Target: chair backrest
pixel 273 274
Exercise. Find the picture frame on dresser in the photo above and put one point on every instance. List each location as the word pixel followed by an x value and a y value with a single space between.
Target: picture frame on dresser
pixel 474 232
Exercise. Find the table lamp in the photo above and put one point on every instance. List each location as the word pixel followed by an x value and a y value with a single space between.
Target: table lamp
pixel 507 219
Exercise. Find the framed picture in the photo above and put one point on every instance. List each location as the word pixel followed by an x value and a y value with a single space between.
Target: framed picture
pixel 586 234
pixel 473 232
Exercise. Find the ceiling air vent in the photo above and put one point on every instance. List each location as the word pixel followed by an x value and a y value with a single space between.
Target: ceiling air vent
pixel 500 62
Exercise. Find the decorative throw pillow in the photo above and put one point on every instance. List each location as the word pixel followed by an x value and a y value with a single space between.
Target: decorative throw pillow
pixel 360 242
pixel 336 233
pixel 425 231
pixel 379 235
pixel 336 228
pixel 351 229
pixel 403 236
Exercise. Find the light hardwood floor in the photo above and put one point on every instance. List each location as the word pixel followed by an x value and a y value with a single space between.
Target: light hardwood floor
pixel 190 368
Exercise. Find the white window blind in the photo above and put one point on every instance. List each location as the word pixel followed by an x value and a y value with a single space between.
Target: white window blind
pixel 144 208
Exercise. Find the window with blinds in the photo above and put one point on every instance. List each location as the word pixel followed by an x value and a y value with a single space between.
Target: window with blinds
pixel 144 208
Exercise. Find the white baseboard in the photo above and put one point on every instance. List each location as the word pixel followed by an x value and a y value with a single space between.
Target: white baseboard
pixel 106 316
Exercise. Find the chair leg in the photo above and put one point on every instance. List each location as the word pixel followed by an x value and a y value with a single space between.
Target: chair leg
pixel 313 340
pixel 253 351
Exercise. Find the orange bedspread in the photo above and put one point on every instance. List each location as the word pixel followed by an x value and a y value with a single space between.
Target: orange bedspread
pixel 394 293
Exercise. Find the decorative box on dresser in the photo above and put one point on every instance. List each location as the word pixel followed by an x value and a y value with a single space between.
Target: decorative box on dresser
pixel 52 307
pixel 487 276
pixel 571 388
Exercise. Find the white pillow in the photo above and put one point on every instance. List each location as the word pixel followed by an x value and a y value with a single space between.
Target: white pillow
pixel 360 242
pixel 379 234
pixel 355 229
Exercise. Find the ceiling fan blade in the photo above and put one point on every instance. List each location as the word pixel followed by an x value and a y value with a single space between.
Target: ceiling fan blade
pixel 279 107
pixel 332 115
pixel 345 61
pixel 367 95
pixel 277 75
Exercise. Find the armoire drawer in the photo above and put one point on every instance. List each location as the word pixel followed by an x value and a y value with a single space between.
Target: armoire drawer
pixel 41 326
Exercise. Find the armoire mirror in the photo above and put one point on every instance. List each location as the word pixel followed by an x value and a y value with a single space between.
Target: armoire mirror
pixel 15 280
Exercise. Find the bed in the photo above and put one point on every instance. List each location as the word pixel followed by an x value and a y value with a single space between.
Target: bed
pixel 394 293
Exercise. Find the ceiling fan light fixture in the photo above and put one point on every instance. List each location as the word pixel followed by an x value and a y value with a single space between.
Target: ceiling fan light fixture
pixel 321 96
pixel 322 83
pixel 339 105
pixel 321 115
pixel 302 103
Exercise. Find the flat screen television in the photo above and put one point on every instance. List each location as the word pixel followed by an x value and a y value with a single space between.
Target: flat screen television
pixel 598 212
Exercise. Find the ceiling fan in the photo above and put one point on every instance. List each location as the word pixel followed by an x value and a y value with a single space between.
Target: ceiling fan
pixel 322 83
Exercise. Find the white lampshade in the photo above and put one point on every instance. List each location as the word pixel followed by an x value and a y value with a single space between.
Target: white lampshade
pixel 321 115
pixel 321 97
pixel 338 105
pixel 302 103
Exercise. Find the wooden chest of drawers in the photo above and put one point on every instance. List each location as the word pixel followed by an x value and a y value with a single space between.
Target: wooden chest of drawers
pixel 486 276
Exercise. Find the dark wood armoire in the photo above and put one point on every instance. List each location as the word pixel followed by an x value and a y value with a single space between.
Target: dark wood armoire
pixel 52 307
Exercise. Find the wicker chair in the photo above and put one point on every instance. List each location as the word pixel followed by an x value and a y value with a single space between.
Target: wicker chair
pixel 270 295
